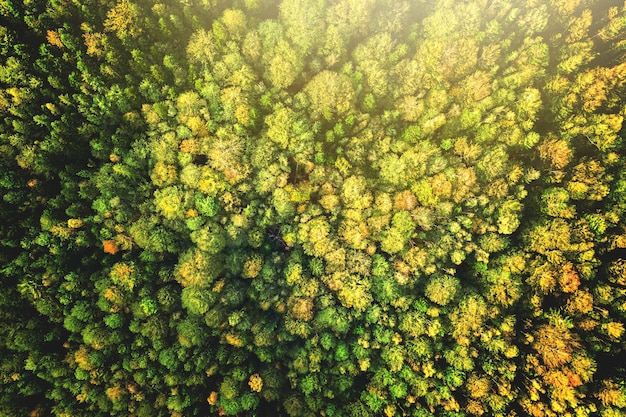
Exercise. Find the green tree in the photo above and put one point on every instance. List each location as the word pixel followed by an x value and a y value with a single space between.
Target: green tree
pixel 210 238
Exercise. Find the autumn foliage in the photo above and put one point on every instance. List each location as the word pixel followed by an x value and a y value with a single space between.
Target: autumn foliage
pixel 110 247
pixel 298 208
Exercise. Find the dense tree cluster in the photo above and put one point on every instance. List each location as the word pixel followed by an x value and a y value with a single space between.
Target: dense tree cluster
pixel 313 208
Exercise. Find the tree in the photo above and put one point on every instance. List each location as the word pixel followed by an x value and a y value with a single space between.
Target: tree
pixel 350 17
pixel 284 66
pixel 314 236
pixel 197 268
pixel 394 170
pixel 554 203
pixel 555 344
pixel 396 238
pixel 331 94
pixel 210 238
pixel 279 126
pixel 355 194
pixel 372 59
pixel 441 289
pixel 493 164
pixel 355 294
pixel 508 217
pixel 225 155
pixel 503 287
pixel 587 181
pixel 123 20
pixel 468 317
pixel 556 152
pixel 549 236
pixel 171 202
pixel 303 22
pixel 197 300
pixel 283 204
pixel 202 47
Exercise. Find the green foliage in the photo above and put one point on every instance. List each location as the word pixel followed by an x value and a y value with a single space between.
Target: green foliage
pixel 210 238
pixel 312 207
pixel 196 300
pixel 149 306
pixel 114 321
pixel 206 205
pixel 282 203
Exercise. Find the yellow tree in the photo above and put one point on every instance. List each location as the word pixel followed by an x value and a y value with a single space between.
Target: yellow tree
pixel 355 193
pixel 468 318
pixel 123 19
pixel 555 344
pixel 331 94
pixel 304 23
pixel 441 289
pixel 171 202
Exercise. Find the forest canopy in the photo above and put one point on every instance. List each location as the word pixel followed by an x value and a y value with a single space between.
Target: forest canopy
pixel 340 208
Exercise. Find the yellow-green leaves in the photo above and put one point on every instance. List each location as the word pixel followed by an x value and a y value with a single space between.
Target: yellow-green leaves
pixel 508 217
pixel 441 289
pixel 331 94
